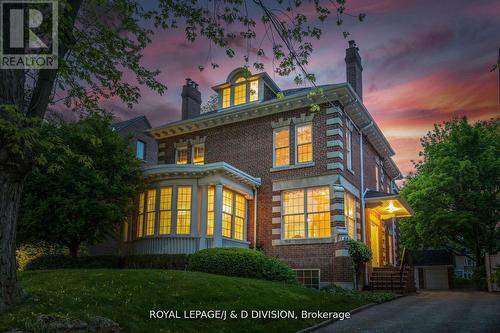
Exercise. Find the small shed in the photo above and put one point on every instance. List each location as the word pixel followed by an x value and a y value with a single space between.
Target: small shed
pixel 433 269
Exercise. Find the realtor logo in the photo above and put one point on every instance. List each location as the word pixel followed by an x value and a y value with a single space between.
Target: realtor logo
pixel 28 34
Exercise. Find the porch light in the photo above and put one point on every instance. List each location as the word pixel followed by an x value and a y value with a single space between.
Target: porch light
pixel 391 208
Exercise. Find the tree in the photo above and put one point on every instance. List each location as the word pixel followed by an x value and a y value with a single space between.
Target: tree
pixel 83 184
pixel 211 105
pixel 100 40
pixel 455 190
pixel 360 254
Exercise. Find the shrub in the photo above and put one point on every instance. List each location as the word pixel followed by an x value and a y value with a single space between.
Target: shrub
pixel 159 261
pixel 495 276
pixel 241 262
pixel 28 252
pixel 367 296
pixel 461 283
pixel 67 262
pixel 479 278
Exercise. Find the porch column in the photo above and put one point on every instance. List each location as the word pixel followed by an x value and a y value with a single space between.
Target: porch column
pixel 218 216
pixel 203 217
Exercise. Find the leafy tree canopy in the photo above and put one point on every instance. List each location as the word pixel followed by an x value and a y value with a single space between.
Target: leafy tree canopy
pixel 83 184
pixel 455 190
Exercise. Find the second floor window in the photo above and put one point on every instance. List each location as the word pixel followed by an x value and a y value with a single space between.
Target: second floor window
pixel 281 147
pixel 181 155
pixel 140 150
pixel 199 154
pixel 348 149
pixel 349 213
pixel 304 143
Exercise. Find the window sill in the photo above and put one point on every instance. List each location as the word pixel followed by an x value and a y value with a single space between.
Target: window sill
pixel 291 167
pixel 308 241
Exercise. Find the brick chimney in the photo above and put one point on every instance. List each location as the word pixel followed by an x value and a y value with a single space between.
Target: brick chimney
pixel 191 100
pixel 354 69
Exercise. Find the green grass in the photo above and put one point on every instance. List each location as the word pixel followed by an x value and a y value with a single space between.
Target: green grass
pixel 126 296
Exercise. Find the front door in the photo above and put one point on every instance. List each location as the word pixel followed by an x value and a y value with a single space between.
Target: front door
pixel 374 244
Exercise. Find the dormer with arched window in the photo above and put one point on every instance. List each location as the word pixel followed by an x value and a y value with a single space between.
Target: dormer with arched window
pixel 242 87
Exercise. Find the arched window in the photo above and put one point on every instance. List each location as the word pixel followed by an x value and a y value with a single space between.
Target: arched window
pixel 240 91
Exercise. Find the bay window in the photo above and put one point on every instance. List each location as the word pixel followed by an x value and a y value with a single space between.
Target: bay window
pixel 140 215
pixel 227 213
pixel 306 213
pixel 281 147
pixel 233 214
pixel 183 210
pixel 165 210
pixel 150 212
pixel 350 213
pixel 303 142
pixel 211 211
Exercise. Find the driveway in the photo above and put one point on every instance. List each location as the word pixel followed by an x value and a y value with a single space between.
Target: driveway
pixel 429 311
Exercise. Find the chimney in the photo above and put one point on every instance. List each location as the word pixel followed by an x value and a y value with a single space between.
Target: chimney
pixel 354 69
pixel 191 100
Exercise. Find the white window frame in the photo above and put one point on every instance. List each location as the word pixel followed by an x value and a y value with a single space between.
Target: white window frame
pixel 276 130
pixel 233 216
pixel 296 143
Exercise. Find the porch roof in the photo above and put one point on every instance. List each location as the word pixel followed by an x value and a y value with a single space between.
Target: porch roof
pixel 388 204
pixel 198 171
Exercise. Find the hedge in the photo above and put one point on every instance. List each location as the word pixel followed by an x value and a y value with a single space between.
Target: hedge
pixel 159 261
pixel 241 262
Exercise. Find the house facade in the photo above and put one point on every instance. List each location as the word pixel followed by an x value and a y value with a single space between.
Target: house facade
pixel 265 171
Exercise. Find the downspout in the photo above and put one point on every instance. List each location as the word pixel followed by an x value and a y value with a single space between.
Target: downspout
pixel 255 191
pixel 362 189
pixel 393 242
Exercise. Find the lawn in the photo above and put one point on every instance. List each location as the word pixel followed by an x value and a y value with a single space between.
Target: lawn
pixel 126 296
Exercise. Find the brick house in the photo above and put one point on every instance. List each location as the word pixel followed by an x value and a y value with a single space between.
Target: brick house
pixel 264 171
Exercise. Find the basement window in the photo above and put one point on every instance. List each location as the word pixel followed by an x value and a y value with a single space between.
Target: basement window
pixel 309 278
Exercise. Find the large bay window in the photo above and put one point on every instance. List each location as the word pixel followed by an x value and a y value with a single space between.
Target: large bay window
pixel 165 210
pixel 199 154
pixel 350 213
pixel 150 212
pixel 183 210
pixel 233 214
pixel 303 143
pixel 181 155
pixel 211 211
pixel 281 147
pixel 227 213
pixel 306 213
pixel 239 216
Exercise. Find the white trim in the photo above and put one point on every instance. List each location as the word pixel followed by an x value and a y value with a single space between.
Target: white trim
pixel 296 144
pixel 276 130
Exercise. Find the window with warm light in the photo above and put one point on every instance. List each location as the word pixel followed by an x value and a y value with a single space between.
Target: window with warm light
pixel 239 216
pixel 125 230
pixel 348 149
pixel 254 90
pixel 227 213
pixel 140 215
pixel 183 210
pixel 211 211
pixel 240 94
pixel 350 213
pixel 281 147
pixel 150 212
pixel 304 143
pixel 306 213
pixel 165 210
pixel 226 97
pixel 181 155
pixel 199 154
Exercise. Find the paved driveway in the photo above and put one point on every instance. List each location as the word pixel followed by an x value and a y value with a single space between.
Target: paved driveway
pixel 429 311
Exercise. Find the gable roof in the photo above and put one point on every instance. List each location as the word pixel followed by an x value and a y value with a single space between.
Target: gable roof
pixel 119 126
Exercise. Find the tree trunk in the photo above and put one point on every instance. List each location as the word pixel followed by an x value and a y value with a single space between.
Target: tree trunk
pixel 10 194
pixel 73 249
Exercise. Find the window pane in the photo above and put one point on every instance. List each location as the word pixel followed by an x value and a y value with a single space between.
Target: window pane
pixel 293 202
pixel 210 211
pixel 304 143
pixel 239 220
pixel 182 156
pixel 282 156
pixel 240 79
pixel 165 210
pixel 227 201
pixel 304 153
pixel 294 226
pixel 240 94
pixel 282 138
pixel 125 231
pixel 140 150
pixel 140 215
pixel 254 90
pixel 150 212
pixel 304 134
pixel 199 154
pixel 226 97
pixel 226 225
pixel 282 150
pixel 349 212
pixel 319 225
pixel 184 210
pixel 318 200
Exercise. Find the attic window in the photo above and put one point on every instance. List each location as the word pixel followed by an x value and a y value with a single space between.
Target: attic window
pixel 240 91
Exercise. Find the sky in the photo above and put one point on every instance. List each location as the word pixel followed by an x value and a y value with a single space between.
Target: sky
pixel 424 62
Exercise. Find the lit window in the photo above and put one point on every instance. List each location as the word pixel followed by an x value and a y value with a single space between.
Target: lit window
pixel 304 143
pixel 240 79
pixel 281 147
pixel 309 208
pixel 226 97
pixel 165 210
pixel 199 154
pixel 240 94
pixel 140 150
pixel 348 149
pixel 150 213
pixel 182 155
pixel 239 217
pixel 254 90
pixel 349 213
pixel 140 215
pixel 308 277
pixel 210 211
pixel 183 210
pixel 227 212
pixel 125 231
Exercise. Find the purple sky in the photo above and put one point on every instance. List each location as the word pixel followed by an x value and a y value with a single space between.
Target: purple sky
pixel 424 62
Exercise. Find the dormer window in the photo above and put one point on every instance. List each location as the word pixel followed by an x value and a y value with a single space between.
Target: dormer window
pixel 240 91
pixel 241 87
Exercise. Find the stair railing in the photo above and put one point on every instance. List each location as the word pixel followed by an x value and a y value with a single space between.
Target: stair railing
pixel 402 266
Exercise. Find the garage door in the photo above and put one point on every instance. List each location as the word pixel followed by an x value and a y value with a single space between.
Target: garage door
pixel 436 278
